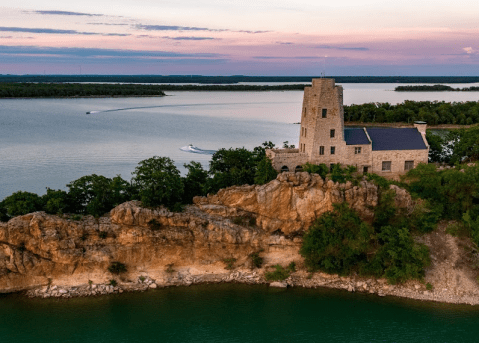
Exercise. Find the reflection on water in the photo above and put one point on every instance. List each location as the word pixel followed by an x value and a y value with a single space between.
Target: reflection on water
pixel 235 313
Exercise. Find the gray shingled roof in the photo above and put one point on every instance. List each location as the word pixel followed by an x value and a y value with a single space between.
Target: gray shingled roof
pixel 355 136
pixel 396 139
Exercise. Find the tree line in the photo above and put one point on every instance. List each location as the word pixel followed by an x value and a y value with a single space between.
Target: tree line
pixel 55 90
pixel 434 88
pixel 432 112
pixel 156 181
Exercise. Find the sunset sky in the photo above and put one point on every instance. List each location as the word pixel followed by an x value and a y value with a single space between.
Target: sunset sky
pixel 231 37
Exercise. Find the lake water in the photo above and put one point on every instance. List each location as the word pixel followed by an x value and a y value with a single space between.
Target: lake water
pixel 50 142
pixel 235 313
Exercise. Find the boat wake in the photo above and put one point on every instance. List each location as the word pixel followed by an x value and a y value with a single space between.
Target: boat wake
pixel 195 150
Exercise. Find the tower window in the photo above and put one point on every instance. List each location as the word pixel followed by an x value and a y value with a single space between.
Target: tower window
pixel 321 150
pixel 408 165
pixel 357 150
pixel 331 133
pixel 324 113
pixel 333 150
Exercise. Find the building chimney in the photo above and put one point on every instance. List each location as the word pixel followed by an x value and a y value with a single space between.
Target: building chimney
pixel 421 127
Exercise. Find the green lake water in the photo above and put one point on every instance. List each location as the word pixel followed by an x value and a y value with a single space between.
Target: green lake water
pixel 235 313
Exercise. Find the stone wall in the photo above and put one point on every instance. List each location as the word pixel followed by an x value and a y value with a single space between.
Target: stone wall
pixel 397 158
pixel 315 132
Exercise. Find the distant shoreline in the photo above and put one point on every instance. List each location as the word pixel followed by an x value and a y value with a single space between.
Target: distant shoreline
pixel 27 90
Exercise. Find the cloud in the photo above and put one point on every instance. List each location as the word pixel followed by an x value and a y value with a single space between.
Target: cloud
pixel 177 38
pixel 469 50
pixel 285 43
pixel 97 53
pixel 341 48
pixel 287 57
pixel 172 28
pixel 190 28
pixel 251 32
pixel 68 13
pixel 189 38
pixel 109 24
pixel 57 31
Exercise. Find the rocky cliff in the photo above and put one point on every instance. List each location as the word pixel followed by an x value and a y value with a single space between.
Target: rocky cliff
pixel 44 250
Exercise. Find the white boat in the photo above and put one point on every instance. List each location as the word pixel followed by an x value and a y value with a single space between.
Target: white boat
pixel 195 150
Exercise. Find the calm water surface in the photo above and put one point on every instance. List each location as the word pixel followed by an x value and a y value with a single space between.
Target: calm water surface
pixel 235 313
pixel 50 142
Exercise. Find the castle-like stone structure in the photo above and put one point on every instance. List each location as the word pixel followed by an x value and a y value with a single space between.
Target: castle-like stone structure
pixel 389 152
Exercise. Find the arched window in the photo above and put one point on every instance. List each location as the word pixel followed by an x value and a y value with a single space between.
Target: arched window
pixel 298 169
pixel 284 169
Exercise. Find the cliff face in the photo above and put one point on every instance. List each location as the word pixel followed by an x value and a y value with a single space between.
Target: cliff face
pixel 38 249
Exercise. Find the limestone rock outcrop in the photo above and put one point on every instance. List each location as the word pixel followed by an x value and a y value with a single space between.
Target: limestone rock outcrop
pixel 38 249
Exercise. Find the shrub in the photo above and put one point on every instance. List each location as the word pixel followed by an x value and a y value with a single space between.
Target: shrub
pixel 76 217
pixel 117 268
pixel 399 258
pixel 278 274
pixel 256 260
pixel 264 172
pixel 339 242
pixel 320 169
pixel 113 282
pixel 429 286
pixel 229 263
pixel 342 175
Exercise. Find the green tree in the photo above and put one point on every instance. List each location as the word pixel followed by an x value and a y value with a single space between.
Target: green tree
pixel 229 167
pixel 264 172
pixel 97 194
pixel 436 147
pixel 321 169
pixel 195 181
pixel 55 201
pixel 20 203
pixel 158 182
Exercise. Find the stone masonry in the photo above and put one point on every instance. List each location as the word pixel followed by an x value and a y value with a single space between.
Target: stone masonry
pixel 322 138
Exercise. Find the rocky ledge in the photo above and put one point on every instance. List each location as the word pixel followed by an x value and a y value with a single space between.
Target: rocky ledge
pixel 211 241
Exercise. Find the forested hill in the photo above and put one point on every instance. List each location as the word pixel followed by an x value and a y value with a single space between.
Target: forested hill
pixel 434 88
pixel 189 79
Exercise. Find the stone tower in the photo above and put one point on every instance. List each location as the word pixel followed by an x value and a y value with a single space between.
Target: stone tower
pixel 322 122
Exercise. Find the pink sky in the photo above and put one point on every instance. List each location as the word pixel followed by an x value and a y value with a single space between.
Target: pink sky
pixel 263 37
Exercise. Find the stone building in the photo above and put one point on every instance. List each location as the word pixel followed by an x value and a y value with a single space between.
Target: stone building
pixel 323 139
